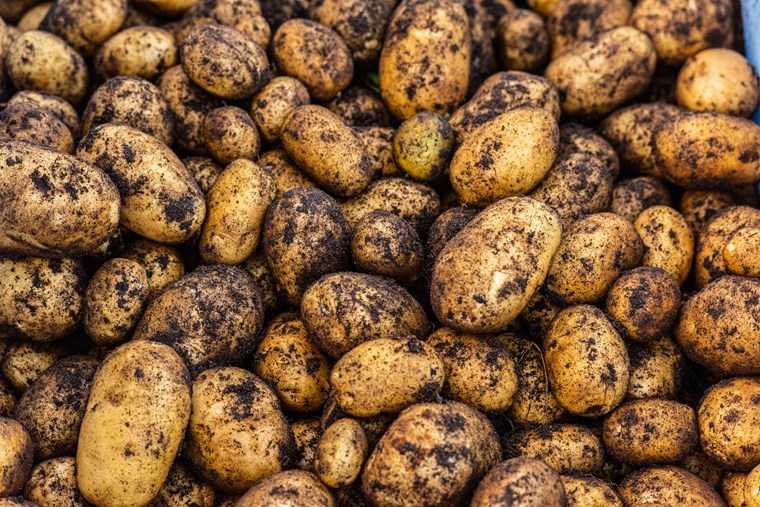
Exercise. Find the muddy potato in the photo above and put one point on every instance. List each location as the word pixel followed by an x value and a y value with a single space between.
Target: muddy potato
pixel 182 488
pixel 290 361
pixel 406 469
pixel 238 69
pixel 274 103
pixel 57 105
pixel 538 315
pixel 425 58
pixel 698 207
pixel 27 122
pixel 85 24
pixel 205 171
pixel 567 448
pixel 739 253
pixel 573 21
pixel 520 482
pixel 52 408
pixel 142 51
pixel 237 205
pixel 618 65
pixel 631 197
pixel 162 263
pixel 522 42
pixel 478 371
pixel 445 227
pixel 656 369
pixel 577 138
pixel 16 458
pixel 385 244
pixel 341 453
pixel 24 362
pixel 284 171
pixel 732 488
pixel 358 106
pixel 360 24
pixel 314 54
pixel 7 397
pixel 305 236
pixel 752 488
pixel 237 433
pixel 294 487
pixel 588 491
pixel 211 315
pixel 256 265
pixel 484 277
pixel 374 427
pixel 242 15
pixel 307 433
pixel 160 199
pixel 423 145
pixel 668 241
pixel 668 485
pixel 378 142
pixel 53 483
pixel 229 134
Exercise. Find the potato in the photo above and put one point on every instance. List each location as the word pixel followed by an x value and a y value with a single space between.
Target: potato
pixel 507 156
pixel 698 207
pixel 752 488
pixel 238 69
pixel 520 482
pixel 500 93
pixel 330 152
pixel 40 299
pixel 134 422
pixel 85 24
pixel 166 7
pixel 631 197
pixel 230 134
pixel 315 55
pixel 478 371
pixel 290 361
pixel 522 41
pixel 668 241
pixel 204 170
pixel 256 265
pixel 114 300
pixel 656 369
pixel 52 408
pixel 7 398
pixel 53 483
pixel 142 51
pixel 237 433
pixel 341 453
pixel 703 467
pixel 433 454
pixel 573 21
pixel 16 458
pixel 182 488
pixel 385 244
pixel 567 448
pixel 484 277
pixel 13 10
pixel 576 138
pixel 739 252
pixel 423 145
pixel 27 122
pixel 374 427
pixel 618 65
pixel 667 485
pixel 596 380
pixel 386 375
pixel 307 433
pixel 425 58
pixel 213 315
pixel 274 103
pixel 682 28
pixel 113 246
pixel 378 143
pixel 294 487
pixel 160 199
pixel 705 150
pixel 237 204
pixel 24 362
pixel 284 171
pixel 162 263
pixel 358 106
pixel 588 491
pixel 305 237
pixel 732 488
pixel 60 108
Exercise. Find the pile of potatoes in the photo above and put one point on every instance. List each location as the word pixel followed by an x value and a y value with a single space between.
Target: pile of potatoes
pixel 425 253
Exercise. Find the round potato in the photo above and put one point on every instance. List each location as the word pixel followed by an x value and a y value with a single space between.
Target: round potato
pixel 522 41
pixel 307 433
pixel 294 487
pixel 588 491
pixel 358 106
pixel 567 448
pixel 668 485
pixel 341 452
pixel 57 105
pixel 631 197
pixel 204 170
pixel 284 171
pixel 739 253
pixel 274 103
pixel 182 488
pixel 25 121
pixel 53 483
pixel 16 458
pixel 573 21
pixel 85 24
pixel 230 134
pixel 24 362
pixel 423 145
pixel 520 482
pixel 656 369
pixel 699 206
pixel 577 138
pixel 142 51
pixel 162 263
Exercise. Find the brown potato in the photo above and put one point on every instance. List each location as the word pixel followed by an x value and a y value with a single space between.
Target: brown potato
pixel 378 142
pixel 284 171
pixel 573 21
pixel 703 467
pixel 752 488
pixel 25 121
pixel 520 482
pixel 274 103
pixel 740 251
pixel 57 105
pixel 16 459
pixel 7 398
pixel 182 488
pixel 204 170
pixel 567 448
pixel 85 24
pixel 341 453
pixel 631 197
pixel 166 7
pixel 668 485
pixel 522 41
pixel 538 314
pixel 24 362
pixel 588 491
pixel 162 263
pixel 53 483
pixel 142 51
pixel 294 487
pixel 358 106
pixel 230 134
pixel 445 227
pixel 656 369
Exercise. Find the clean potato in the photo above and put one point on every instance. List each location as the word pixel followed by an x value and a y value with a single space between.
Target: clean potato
pixel 341 452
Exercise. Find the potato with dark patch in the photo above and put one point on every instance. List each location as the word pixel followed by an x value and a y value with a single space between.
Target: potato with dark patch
pixel 668 241
pixel 315 55
pixel 256 265
pixel 16 458
pixel 577 138
pixel 85 24
pixel 305 237
pixel 573 21
pixel 205 171
pixel 358 106
pixel 57 105
pixel 631 197
pixel 212 315
pixel 182 488
pixel 432 454
pixel 142 51
pixel 307 433
pixel 385 244
pixel 425 60
pixel 273 104
pixel 24 362
pixel 699 206
pixel 294 487
pixel 162 263
pixel 229 134
pixel 7 397
pixel 567 448
pixel 740 251
pixel 588 491
pixel 341 453
pixel 378 142
pixel 25 121
pixel 668 485
pixel 520 482
pixel 522 41
pixel 133 425
pixel 423 146
pixel 237 433
pixel 53 483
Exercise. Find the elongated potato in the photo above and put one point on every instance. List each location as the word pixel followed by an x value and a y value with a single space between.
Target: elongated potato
pixel 341 453
pixel 135 419
pixel 668 485
pixel 567 448
pixel 143 51
pixel 668 241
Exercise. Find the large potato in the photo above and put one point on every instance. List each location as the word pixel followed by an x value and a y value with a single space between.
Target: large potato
pixel 668 485
pixel 134 423
pixel 85 24
pixel 520 482
pixel 16 458
pixel 567 448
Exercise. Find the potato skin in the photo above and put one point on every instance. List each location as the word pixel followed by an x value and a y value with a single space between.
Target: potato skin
pixel 423 145
pixel 285 173
pixel 573 21
pixel 24 362
pixel 425 60
pixel 567 448
pixel 205 171
pixel 274 103
pixel 181 487
pixel 489 303
pixel 520 482
pixel 341 453
pixel 668 485
pixel 668 241
pixel 360 24
pixel 229 134
pixel 57 105
pixel 522 42
pixel 85 24
pixel 385 244
pixel 358 106
pixel 147 385
pixel 28 122
pixel 588 491
pixel 54 482
pixel 256 265
pixel 143 51
pixel 631 197
pixel 16 460
pixel 7 397
pixel 277 490
pixel 577 138
pixel 38 184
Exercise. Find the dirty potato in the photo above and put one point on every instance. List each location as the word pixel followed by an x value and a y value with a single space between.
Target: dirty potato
pixel 274 103
pixel 739 253
pixel 85 24
pixel 53 483
pixel 423 145
pixel 25 121
pixel 668 485
pixel 24 362
pixel 573 21
pixel 631 197
pixel 520 482
pixel 668 241
pixel 162 263
pixel 229 134
pixel 57 105
pixel 181 487
pixel 358 106
pixel 307 433
pixel 204 170
pixel 16 458
pixel 522 41
pixel 142 51
pixel 567 448
pixel 588 491
pixel 293 487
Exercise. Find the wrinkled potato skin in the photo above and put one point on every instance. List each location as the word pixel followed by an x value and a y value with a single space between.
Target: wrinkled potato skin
pixel 230 134
pixel 522 41
pixel 205 171
pixel 53 483
pixel 85 24
pixel 142 51
pixel 16 460
pixel 57 105
pixel 567 448
pixel 520 482
pixel 385 244
pixel 588 491
pixel 341 453
pixel 739 253
pixel 24 362
pixel 182 488
pixel 425 60
pixel 284 171
pixel 162 263
pixel 274 103
pixel 573 21
pixel 277 490
pixel 146 385
pixel 668 241
pixel 668 485
pixel 27 122
pixel 631 197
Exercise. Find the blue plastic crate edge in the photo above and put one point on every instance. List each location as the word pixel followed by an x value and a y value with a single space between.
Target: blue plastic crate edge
pixel 751 18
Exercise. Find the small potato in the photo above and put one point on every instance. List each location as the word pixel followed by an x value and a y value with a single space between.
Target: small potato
pixel 596 380
pixel 284 171
pixel 182 488
pixel 315 55
pixel 631 197
pixel 256 265
pixel 52 408
pixel 62 109
pixel 446 226
pixel 166 7
pixel 385 244
pixel 85 24
pixel 698 207
pixel 588 491
pixel 237 205
pixel 114 300
pixel 237 69
pixel 505 157
pixel 479 372
pixel 294 487
pixel 752 488
pixel 341 453
pixel 305 236
pixel 567 448
pixel 27 122
pixel 237 433
pixel 522 41
pixel 740 252
pixel 668 241
pixel 618 65
pixel 204 170
pixel 16 458
pixel 307 433
pixel 142 51
pixel 212 315
pixel 577 138
pixel 40 299
pixel 573 21
pixel 378 141
pixel 386 376
pixel 374 427
pixel 290 361
pixel 134 423
pixel 230 134
pixel 732 488
pixel 162 263
pixel 668 485
pixel 274 103
pixel 520 482
pixel 24 362
pixel 423 145
pixel 656 369
pixel 53 483
pixel 358 106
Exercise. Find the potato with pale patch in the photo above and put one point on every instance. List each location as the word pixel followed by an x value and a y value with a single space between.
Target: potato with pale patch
pixel 567 448
pixel 520 482
pixel 182 487
pixel 294 487
pixel 271 107
pixel 24 362
pixel 229 134
pixel 668 485
pixel 423 145
pixel 385 244
pixel 740 252
pixel 142 51
pixel 631 197
pixel 25 121
pixel 341 453
pixel 162 263
pixel 588 491
pixel 53 483
pixel 85 24
pixel 522 41
pixel 16 458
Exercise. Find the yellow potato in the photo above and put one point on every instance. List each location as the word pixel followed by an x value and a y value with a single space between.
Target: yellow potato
pixel 274 103
pixel 230 134
pixel 85 24
pixel 520 482
pixel 294 487
pixel 341 452
pixel 567 448
pixel 142 51
pixel 740 253
pixel 16 458
pixel 162 263
pixel 668 485
pixel 668 241
pixel 25 362
pixel 588 491
pixel 53 483
pixel 573 21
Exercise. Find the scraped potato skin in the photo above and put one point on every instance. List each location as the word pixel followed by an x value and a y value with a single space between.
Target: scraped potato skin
pixel 211 315
pixel 274 103
pixel 486 274
pixel 142 51
pixel 588 491
pixel 294 488
pixel 567 448
pixel 631 197
pixel 668 485
pixel 305 237
pixel 85 24
pixel 425 60
pixel 341 453
pixel 53 483
pixel 134 423
pixel 520 482
pixel 16 459
pixel 55 204
pixel 28 122
pixel 182 488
